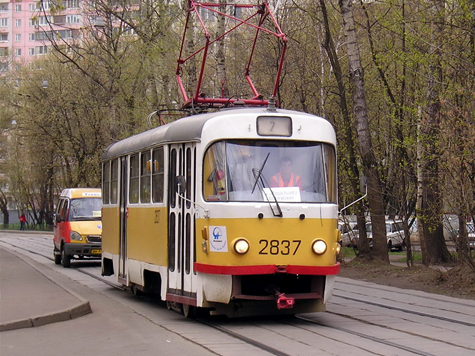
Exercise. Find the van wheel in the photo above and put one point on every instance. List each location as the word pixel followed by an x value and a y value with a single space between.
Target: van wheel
pixel 57 257
pixel 390 245
pixel 65 259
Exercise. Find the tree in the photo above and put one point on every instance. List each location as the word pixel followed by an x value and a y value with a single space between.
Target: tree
pixel 363 133
pixel 430 213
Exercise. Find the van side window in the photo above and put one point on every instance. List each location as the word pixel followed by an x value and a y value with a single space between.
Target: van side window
pixel 64 209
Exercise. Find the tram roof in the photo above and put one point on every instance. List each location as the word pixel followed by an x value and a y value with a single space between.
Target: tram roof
pixel 187 129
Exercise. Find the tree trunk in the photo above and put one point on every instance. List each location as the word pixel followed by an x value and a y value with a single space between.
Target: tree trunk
pixel 375 198
pixel 6 217
pixel 329 46
pixel 431 198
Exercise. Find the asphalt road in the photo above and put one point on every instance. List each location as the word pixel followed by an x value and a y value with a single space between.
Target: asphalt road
pixel 362 319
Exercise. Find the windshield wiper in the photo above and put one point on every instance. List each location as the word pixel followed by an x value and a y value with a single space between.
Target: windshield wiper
pixel 259 173
pixel 258 176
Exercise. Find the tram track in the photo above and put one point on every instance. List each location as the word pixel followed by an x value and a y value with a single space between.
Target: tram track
pixel 401 292
pixel 368 337
pixel 330 325
pixel 418 313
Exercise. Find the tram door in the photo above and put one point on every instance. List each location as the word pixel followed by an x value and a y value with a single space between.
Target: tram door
pixel 123 220
pixel 181 232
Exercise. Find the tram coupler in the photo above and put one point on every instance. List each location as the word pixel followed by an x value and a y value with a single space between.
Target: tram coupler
pixel 284 302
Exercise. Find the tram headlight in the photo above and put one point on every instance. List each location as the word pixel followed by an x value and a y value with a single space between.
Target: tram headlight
pixel 319 247
pixel 241 246
pixel 337 248
pixel 73 235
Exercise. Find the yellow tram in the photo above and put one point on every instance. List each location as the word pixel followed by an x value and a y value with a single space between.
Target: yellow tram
pixel 203 213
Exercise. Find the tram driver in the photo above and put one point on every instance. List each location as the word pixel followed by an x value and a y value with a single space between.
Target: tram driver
pixel 285 177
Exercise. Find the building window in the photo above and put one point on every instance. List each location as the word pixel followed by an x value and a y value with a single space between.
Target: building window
pixel 31 51
pixel 3 67
pixel 31 37
pixel 44 5
pixel 4 22
pixel 41 50
pixel 3 51
pixel 73 19
pixel 17 8
pixel 18 37
pixel 17 23
pixel 44 20
pixel 71 4
pixel 4 7
pixel 3 37
pixel 32 7
pixel 17 52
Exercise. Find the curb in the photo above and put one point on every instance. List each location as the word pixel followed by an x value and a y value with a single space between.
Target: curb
pixel 68 314
pixel 78 310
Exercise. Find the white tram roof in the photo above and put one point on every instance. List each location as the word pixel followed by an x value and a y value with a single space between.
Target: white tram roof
pixel 188 129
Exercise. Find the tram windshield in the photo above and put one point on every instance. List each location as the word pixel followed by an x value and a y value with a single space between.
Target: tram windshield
pixel 262 170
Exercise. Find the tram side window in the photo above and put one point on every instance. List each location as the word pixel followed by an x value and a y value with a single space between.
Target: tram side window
pixel 214 180
pixel 145 177
pixel 134 179
pixel 105 182
pixel 114 181
pixel 158 175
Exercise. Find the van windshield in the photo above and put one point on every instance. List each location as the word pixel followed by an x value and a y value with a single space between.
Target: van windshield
pixel 85 209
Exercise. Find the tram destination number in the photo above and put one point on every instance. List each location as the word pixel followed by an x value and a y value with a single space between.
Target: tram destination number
pixel 278 247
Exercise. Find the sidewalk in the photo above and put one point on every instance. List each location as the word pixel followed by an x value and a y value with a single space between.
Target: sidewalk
pixel 31 294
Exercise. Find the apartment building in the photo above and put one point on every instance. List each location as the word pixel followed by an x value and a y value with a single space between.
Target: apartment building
pixel 26 26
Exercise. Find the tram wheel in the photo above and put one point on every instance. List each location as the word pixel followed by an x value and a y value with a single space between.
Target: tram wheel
pixel 188 311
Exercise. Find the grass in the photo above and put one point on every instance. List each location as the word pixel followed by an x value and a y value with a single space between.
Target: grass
pixel 349 252
pixel 29 227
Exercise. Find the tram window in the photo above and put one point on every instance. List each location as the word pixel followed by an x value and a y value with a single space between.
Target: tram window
pixel 171 180
pixel 188 244
pixel 145 177
pixel 114 181
pixel 171 243
pixel 157 175
pixel 247 170
pixel 214 179
pixel 329 158
pixel 134 179
pixel 105 182
pixel 189 173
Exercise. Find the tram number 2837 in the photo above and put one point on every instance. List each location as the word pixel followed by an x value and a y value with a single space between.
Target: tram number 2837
pixel 276 247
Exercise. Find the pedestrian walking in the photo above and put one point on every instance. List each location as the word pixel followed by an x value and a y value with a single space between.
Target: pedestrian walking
pixel 22 221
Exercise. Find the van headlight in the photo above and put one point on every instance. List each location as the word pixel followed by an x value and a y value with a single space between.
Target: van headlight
pixel 73 235
pixel 241 246
pixel 319 247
